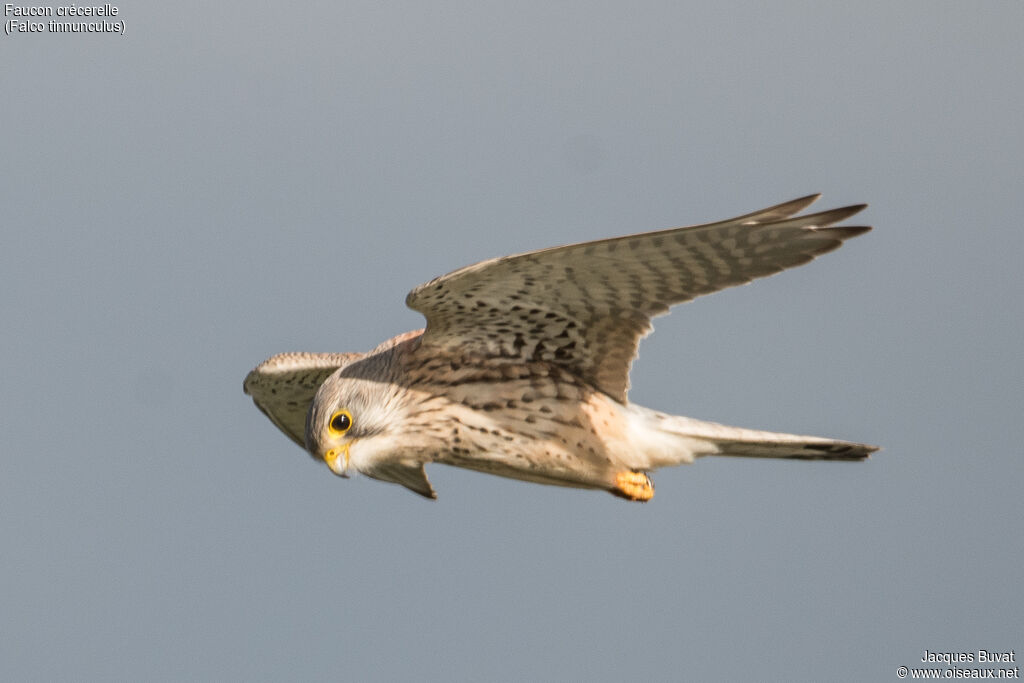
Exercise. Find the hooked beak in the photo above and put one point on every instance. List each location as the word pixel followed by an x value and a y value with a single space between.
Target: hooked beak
pixel 337 460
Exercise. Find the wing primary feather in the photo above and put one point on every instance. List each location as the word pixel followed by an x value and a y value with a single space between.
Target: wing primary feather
pixel 777 212
pixel 817 220
pixel 585 307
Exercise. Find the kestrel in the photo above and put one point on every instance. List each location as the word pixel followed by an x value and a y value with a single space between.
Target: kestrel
pixel 523 368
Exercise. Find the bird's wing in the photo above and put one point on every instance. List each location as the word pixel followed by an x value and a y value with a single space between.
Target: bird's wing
pixel 410 475
pixel 284 385
pixel 586 306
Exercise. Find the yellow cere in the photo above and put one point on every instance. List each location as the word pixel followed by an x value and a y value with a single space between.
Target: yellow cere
pixel 337 459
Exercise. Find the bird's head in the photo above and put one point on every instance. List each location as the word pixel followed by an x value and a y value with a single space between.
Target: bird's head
pixel 351 419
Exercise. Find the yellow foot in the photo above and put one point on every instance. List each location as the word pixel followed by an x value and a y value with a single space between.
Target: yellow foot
pixel 633 486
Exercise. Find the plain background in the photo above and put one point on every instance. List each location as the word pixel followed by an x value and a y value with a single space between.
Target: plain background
pixel 227 181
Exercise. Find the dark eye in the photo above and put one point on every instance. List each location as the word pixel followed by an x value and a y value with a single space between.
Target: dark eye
pixel 341 422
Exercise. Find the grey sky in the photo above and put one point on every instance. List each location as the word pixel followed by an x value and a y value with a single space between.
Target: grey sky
pixel 227 182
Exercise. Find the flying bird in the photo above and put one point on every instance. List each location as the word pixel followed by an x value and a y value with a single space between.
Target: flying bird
pixel 523 367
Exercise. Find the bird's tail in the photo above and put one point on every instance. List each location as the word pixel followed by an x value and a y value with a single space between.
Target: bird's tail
pixel 674 440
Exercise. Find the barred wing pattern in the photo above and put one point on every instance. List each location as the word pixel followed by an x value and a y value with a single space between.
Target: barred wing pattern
pixel 586 306
pixel 284 385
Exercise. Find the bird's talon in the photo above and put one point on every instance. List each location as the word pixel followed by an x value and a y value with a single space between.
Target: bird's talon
pixel 633 486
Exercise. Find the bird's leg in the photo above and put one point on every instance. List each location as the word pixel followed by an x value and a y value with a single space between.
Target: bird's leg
pixel 633 486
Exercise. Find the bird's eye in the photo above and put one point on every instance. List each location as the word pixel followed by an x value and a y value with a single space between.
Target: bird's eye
pixel 341 422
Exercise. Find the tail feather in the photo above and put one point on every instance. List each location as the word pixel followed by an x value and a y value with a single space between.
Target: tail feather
pixel 684 439
pixel 797 448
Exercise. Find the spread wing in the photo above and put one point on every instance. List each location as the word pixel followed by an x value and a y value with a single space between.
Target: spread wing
pixel 586 306
pixel 284 385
